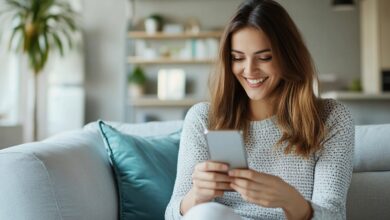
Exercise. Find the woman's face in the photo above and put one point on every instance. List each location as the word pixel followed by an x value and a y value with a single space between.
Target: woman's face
pixel 253 63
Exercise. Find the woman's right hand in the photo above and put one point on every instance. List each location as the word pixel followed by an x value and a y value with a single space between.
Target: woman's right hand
pixel 209 180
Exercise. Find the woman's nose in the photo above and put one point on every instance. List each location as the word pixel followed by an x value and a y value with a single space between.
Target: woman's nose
pixel 249 67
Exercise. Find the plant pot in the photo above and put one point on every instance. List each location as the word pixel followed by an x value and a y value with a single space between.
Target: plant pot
pixel 151 26
pixel 136 91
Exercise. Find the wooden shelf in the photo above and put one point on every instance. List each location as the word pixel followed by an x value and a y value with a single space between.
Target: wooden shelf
pixel 161 35
pixel 140 60
pixel 341 95
pixel 153 101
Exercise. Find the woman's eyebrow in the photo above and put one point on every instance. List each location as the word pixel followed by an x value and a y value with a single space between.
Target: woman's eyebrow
pixel 257 52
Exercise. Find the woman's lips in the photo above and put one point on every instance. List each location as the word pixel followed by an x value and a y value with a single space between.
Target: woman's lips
pixel 254 83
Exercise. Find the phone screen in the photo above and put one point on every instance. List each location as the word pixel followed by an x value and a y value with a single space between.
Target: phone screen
pixel 227 146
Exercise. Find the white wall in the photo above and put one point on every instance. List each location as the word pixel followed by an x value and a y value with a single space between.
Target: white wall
pixel 105 38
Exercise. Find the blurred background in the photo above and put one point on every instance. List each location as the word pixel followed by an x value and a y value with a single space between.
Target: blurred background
pixel 147 60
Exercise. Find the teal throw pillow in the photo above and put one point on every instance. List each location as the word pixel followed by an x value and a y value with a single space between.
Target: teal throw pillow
pixel 145 170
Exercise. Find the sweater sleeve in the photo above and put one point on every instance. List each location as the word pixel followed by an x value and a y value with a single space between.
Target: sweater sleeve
pixel 192 150
pixel 333 170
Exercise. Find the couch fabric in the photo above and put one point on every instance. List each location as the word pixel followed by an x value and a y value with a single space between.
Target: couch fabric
pixel 68 176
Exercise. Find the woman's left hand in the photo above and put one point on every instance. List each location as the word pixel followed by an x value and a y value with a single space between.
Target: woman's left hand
pixel 271 192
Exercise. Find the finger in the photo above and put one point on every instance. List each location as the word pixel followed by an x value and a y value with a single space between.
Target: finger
pixel 257 190
pixel 212 166
pixel 211 176
pixel 245 193
pixel 256 197
pixel 248 184
pixel 251 175
pixel 212 185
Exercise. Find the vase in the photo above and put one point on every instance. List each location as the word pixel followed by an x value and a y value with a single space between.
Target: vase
pixel 136 91
pixel 151 26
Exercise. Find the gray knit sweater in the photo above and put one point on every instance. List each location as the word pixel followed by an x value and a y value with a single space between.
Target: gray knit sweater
pixel 323 179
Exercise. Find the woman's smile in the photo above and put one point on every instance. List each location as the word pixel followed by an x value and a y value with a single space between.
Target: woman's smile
pixel 256 82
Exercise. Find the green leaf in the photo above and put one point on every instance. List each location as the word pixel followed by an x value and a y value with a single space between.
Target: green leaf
pixel 32 58
pixel 70 22
pixel 15 31
pixel 17 5
pixel 69 38
pixel 35 9
pixel 26 42
pixel 50 16
pixel 40 51
pixel 57 41
pixel 46 52
pixel 45 5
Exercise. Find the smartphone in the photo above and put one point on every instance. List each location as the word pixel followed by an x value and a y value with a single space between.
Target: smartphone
pixel 227 146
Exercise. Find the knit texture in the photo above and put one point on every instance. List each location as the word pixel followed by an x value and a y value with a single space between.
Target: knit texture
pixel 323 179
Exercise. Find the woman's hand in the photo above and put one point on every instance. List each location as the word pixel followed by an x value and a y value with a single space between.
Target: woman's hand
pixel 209 180
pixel 271 192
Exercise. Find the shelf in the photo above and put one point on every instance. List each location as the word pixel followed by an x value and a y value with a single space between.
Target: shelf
pixel 139 60
pixel 341 95
pixel 161 35
pixel 153 101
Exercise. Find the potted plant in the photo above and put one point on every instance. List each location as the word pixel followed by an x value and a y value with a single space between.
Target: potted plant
pixel 137 80
pixel 39 27
pixel 153 23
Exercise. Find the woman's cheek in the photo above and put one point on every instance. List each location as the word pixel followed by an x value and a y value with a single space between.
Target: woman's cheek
pixel 236 68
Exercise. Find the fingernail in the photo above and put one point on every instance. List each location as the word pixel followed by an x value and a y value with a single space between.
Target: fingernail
pixel 230 173
pixel 225 167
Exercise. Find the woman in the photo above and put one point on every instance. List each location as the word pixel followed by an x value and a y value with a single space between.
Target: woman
pixel 299 147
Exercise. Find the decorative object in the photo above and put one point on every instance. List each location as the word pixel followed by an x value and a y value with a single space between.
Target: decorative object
pixel 343 5
pixel 136 82
pixel 40 26
pixel 192 26
pixel 173 28
pixel 355 86
pixel 171 84
pixel 153 23
pixel 145 170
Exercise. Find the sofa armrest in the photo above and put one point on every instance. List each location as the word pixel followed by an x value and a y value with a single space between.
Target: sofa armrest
pixel 65 177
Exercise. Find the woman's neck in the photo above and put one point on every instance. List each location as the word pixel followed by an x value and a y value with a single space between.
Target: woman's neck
pixel 261 109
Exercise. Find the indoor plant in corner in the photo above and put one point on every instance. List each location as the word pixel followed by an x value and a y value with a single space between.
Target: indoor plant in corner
pixel 38 28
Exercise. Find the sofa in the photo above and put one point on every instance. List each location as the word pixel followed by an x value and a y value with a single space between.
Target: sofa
pixel 68 176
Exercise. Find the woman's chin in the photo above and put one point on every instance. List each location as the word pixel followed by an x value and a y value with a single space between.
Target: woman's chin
pixel 255 97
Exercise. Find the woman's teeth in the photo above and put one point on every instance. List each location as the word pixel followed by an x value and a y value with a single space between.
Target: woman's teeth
pixel 256 81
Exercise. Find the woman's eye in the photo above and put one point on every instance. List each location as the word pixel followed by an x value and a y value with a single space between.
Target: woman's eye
pixel 237 58
pixel 265 58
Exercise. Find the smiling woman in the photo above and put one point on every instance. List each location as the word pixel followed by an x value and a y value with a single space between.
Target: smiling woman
pixel 299 147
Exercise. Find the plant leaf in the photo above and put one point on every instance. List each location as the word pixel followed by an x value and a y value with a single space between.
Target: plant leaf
pixel 69 38
pixel 70 22
pixel 17 5
pixel 58 42
pixel 15 31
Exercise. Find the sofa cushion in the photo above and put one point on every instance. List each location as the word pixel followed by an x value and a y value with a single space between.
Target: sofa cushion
pixel 367 196
pixel 372 148
pixel 145 169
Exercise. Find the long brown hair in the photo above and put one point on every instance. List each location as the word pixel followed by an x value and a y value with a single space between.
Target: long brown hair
pixel 298 112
